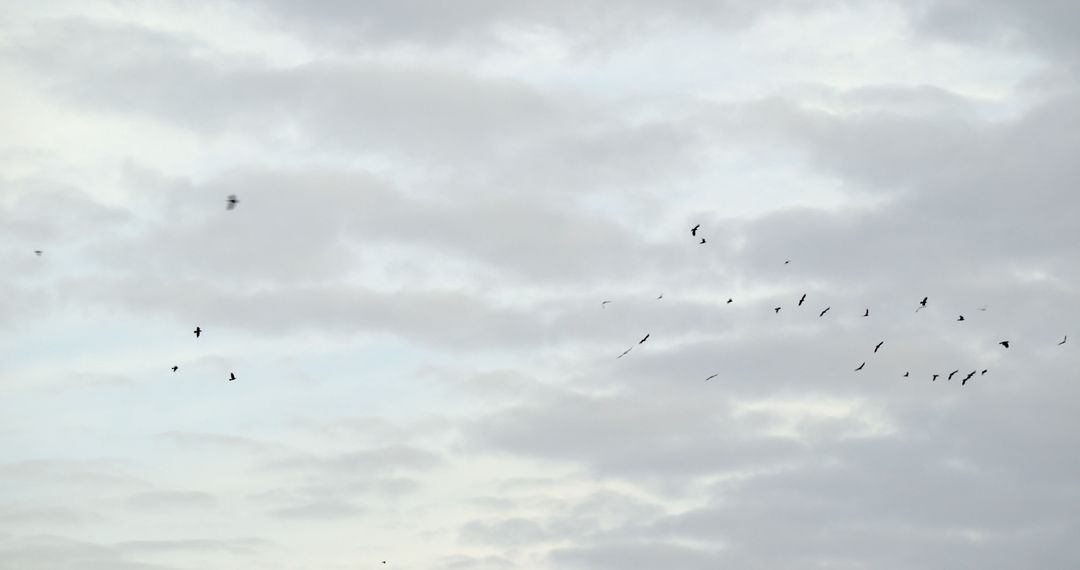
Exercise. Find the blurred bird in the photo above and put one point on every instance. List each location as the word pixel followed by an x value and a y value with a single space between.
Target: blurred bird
pixel 953 373
pixel 175 368
pixel 867 313
pixel 711 377
pixel 777 309
pixel 1004 343
pixel 625 352
pixel 693 230
pixel 232 377
pixel 702 241
pixel 860 367
pixel 644 339
pixel 1063 340
pixel 801 299
pixel 602 303
pixel 38 252
pixel 934 378
pixel 197 331
pixel 231 202
pixel 876 347
pixel 822 314
pixel 961 318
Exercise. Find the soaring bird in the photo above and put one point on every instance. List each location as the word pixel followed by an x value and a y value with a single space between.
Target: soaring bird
pixel 961 318
pixel 644 339
pixel 702 242
pixel 197 331
pixel 983 372
pixel 777 309
pixel 801 299
pixel 906 374
pixel 787 262
pixel 982 308
pixel 822 314
pixel 660 297
pixel 1004 343
pixel 953 373
pixel 934 378
pixel 867 313
pixel 232 377
pixel 877 346
pixel 860 367
pixel 693 230
pixel 711 377
pixel 968 377
pixel 231 202
pixel 1063 340
pixel 38 252
pixel 730 301
pixel 922 304
pixel 625 352
pixel 175 368
pixel 602 303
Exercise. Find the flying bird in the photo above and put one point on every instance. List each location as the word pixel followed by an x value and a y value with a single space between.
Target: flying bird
pixel 602 303
pixel 787 262
pixel 867 313
pixel 231 202
pixel 983 372
pixel 906 374
pixel 232 377
pixel 982 308
pixel 660 297
pixel 197 331
pixel 801 299
pixel 711 377
pixel 968 377
pixel 860 367
pixel 876 347
pixel 693 230
pixel 777 309
pixel 1063 340
pixel 823 312
pixel 175 368
pixel 38 252
pixel 1004 343
pixel 934 378
pixel 702 241
pixel 644 339
pixel 922 304
pixel 625 352
pixel 953 373
pixel 960 319
pixel 730 301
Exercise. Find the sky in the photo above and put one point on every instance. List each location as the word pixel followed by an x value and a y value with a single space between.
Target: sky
pixel 435 198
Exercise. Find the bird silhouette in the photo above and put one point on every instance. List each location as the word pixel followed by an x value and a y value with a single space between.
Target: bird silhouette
pixel 602 303
pixel 960 319
pixel 906 374
pixel 693 230
pixel 231 202
pixel 860 367
pixel 175 368
pixel 38 252
pixel 934 378
pixel 822 314
pixel 922 304
pixel 660 297
pixel 953 373
pixel 232 377
pixel 1004 343
pixel 197 331
pixel 787 262
pixel 801 299
pixel 1063 340
pixel 983 372
pixel 867 313
pixel 982 308
pixel 644 339
pixel 711 377
pixel 777 309
pixel 968 377
pixel 876 347
pixel 730 301
pixel 702 242
pixel 625 352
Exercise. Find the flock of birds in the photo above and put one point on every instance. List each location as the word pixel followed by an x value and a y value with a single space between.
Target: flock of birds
pixel 776 310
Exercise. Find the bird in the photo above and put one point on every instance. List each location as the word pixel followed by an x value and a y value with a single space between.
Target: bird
pixel 867 313
pixel 906 374
pixel 968 377
pixel 801 299
pixel 175 368
pixel 197 331
pixel 660 297
pixel 702 242
pixel 983 372
pixel 777 309
pixel 982 308
pixel 1004 343
pixel 711 377
pixel 38 252
pixel 953 373
pixel 625 352
pixel 960 319
pixel 602 303
pixel 934 378
pixel 822 314
pixel 860 367
pixel 1063 340
pixel 231 202
pixel 730 301
pixel 693 230
pixel 232 377
pixel 644 339
pixel 787 262
pixel 922 304
pixel 876 347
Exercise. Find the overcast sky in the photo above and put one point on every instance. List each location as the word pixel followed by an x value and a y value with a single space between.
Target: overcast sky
pixel 436 196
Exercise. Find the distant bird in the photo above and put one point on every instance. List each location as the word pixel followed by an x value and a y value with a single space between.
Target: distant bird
pixel 625 352
pixel 711 377
pixel 822 314
pixel 953 373
pixel 867 313
pixel 232 377
pixel 801 299
pixel 197 331
pixel 960 319
pixel 730 301
pixel 231 202
pixel 876 347
pixel 983 372
pixel 1004 343
pixel 702 241
pixel 787 262
pixel 660 297
pixel 777 309
pixel 602 303
pixel 906 374
pixel 175 368
pixel 1063 340
pixel 922 304
pixel 934 378
pixel 693 230
pixel 38 252
pixel 644 339
pixel 982 308
pixel 860 367
pixel 968 377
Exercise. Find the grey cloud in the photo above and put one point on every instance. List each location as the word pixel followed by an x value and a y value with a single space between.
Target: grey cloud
pixel 1041 24
pixel 236 546
pixel 156 500
pixel 47 552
